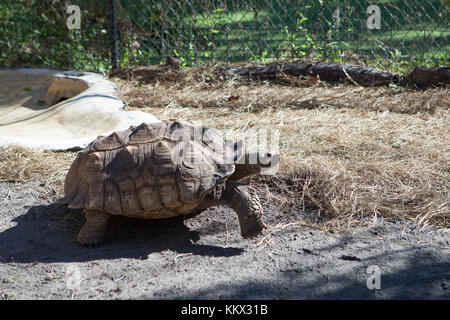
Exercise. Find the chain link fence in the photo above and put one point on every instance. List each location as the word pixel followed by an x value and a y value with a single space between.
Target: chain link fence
pixel 198 31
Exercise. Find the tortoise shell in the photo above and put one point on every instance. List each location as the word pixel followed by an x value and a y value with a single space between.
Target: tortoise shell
pixel 154 170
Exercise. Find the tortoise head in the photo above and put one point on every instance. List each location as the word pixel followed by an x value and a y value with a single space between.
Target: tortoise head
pixel 251 163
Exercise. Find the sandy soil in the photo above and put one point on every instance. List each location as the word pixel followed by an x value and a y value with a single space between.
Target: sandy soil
pixel 205 258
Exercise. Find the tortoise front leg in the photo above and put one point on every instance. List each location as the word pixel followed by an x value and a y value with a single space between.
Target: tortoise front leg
pixel 244 200
pixel 94 230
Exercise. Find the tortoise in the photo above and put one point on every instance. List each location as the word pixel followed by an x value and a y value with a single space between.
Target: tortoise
pixel 161 170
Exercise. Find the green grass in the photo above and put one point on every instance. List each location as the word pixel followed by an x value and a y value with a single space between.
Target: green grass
pixel 220 17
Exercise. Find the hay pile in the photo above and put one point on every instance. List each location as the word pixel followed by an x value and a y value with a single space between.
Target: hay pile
pixel 19 164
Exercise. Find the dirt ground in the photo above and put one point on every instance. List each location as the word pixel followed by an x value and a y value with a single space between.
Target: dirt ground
pixel 359 209
pixel 205 257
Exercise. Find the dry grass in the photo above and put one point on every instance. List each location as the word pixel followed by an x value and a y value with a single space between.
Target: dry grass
pixel 348 153
pixel 203 88
pixel 19 164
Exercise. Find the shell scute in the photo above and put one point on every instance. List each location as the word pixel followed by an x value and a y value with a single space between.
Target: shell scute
pixel 147 132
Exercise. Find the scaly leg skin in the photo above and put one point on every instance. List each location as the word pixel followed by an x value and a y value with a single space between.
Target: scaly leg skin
pixel 244 200
pixel 94 230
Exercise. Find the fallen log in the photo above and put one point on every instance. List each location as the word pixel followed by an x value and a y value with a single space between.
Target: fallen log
pixel 331 72
pixel 335 72
pixel 426 77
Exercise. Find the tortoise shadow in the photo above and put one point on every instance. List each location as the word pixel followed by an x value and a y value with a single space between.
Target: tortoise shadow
pixel 47 234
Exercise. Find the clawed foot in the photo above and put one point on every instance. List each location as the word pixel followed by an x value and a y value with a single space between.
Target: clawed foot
pixel 94 230
pixel 91 236
pixel 253 227
pixel 90 241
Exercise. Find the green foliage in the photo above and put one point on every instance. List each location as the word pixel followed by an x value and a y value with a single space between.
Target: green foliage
pixel 34 32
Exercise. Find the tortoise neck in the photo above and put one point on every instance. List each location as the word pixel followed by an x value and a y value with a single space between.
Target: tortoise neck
pixel 243 171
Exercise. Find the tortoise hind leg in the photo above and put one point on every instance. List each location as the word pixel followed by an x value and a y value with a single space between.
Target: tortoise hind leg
pixel 94 230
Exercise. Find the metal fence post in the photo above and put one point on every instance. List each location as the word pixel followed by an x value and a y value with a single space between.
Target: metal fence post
pixel 113 36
